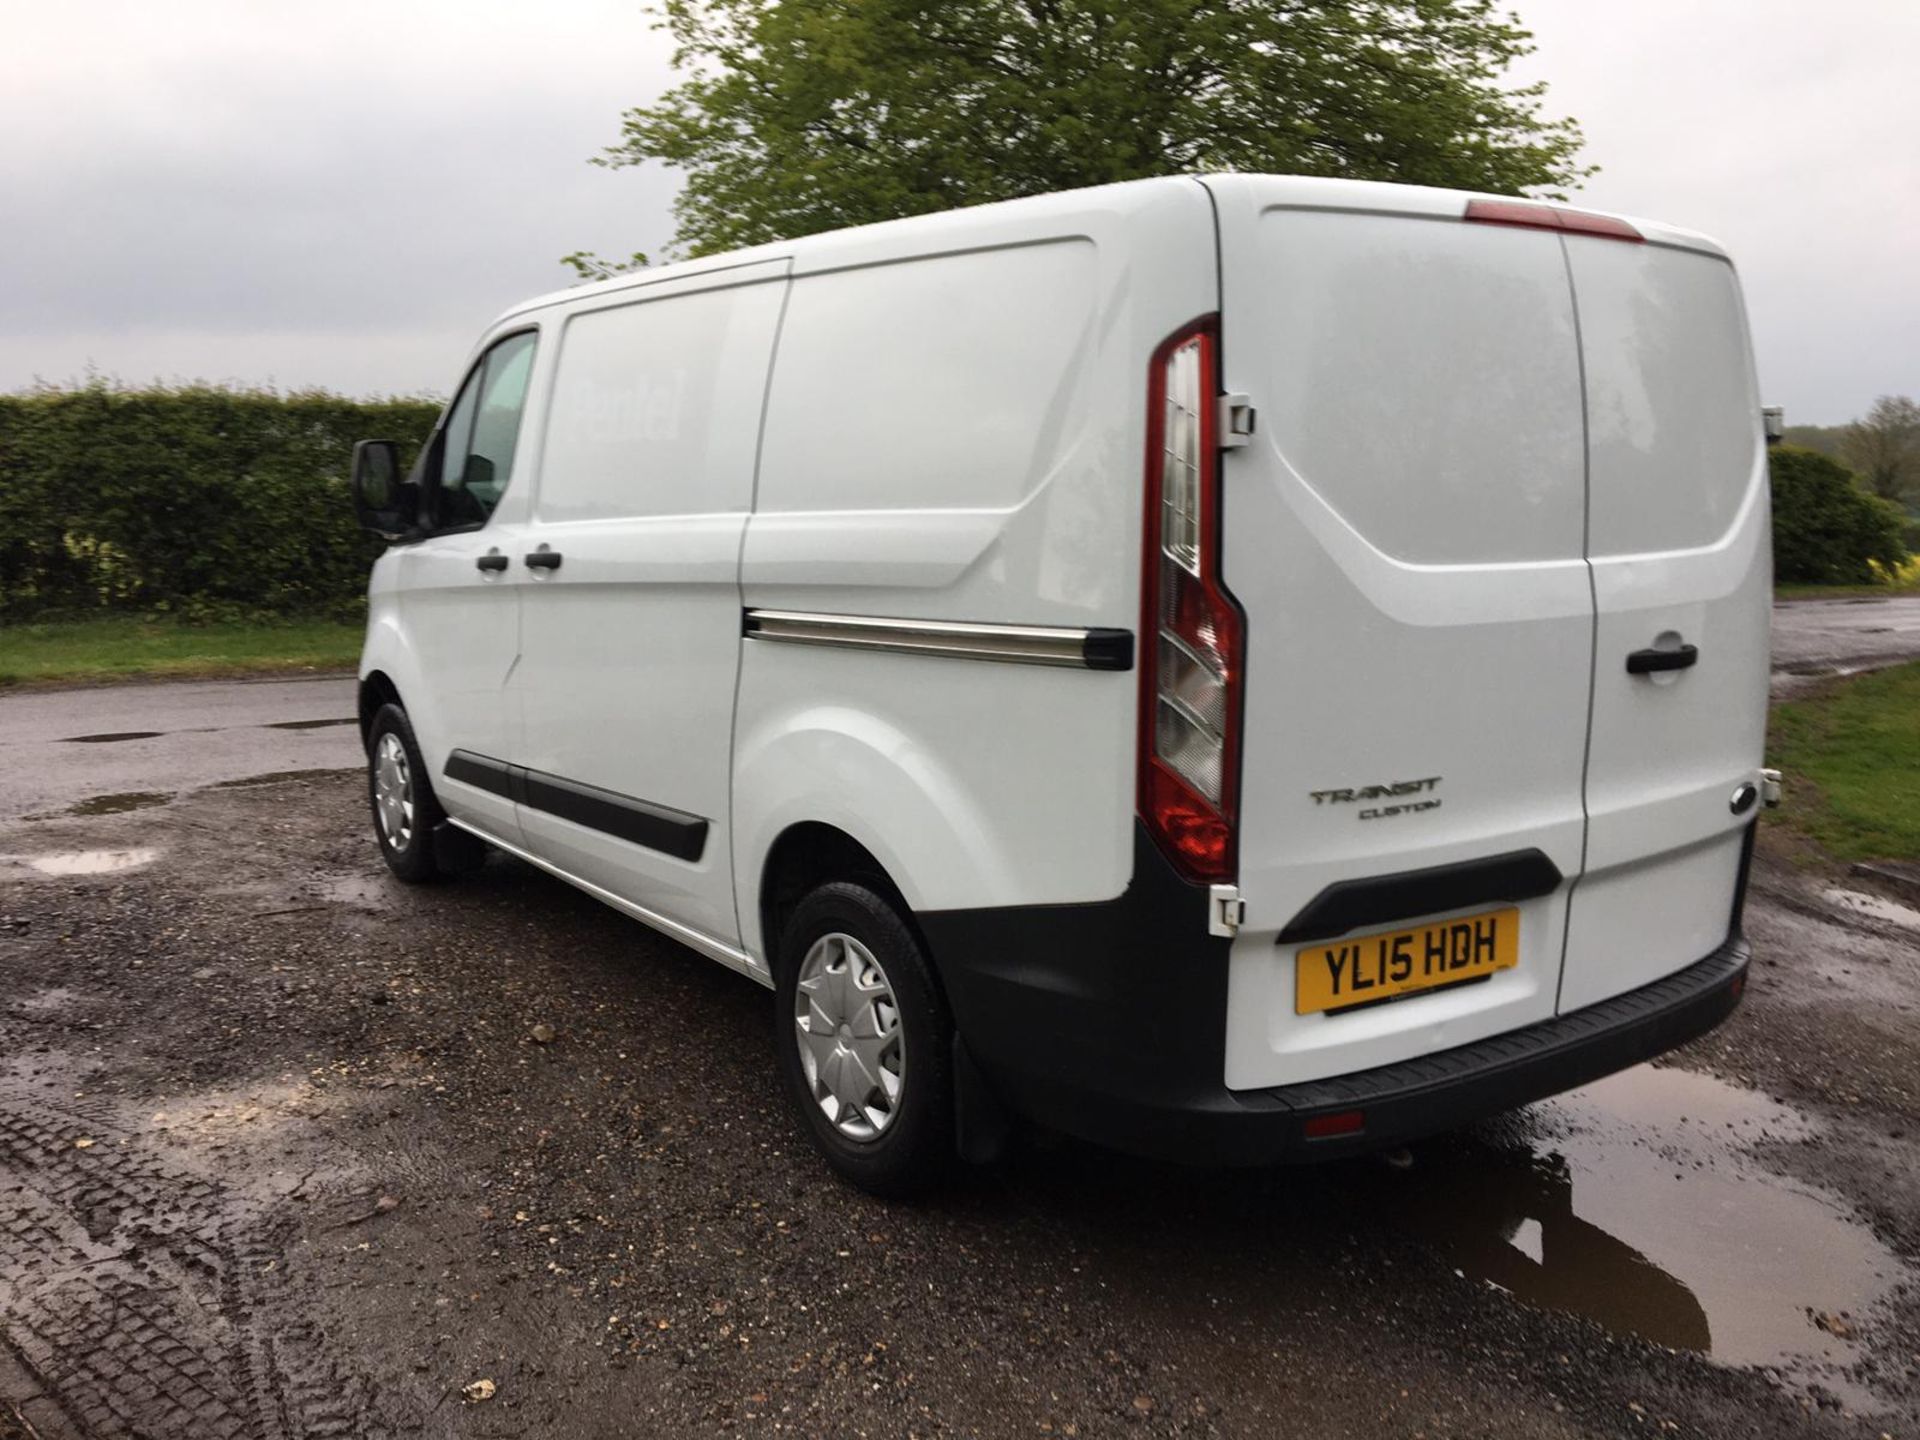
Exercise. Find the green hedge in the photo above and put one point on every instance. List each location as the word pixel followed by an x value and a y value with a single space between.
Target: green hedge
pixel 1826 529
pixel 203 501
pixel 195 500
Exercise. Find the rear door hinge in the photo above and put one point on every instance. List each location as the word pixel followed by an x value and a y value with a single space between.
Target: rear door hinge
pixel 1225 910
pixel 1237 420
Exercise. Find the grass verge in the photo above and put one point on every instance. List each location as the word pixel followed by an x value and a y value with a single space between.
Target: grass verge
pixel 124 646
pixel 1850 754
pixel 1842 592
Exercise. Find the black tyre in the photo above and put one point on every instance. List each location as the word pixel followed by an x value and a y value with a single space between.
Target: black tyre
pixel 405 812
pixel 865 1041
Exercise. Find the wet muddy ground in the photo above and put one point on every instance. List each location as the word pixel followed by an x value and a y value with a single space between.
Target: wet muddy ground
pixel 280 1156
pixel 1813 639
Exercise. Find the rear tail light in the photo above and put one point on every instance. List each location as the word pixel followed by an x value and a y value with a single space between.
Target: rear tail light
pixel 1550 217
pixel 1191 628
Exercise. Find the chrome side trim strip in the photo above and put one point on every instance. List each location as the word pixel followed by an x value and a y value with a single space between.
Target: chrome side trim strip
pixel 1072 647
pixel 730 956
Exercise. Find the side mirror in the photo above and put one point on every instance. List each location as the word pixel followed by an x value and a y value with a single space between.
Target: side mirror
pixel 1773 420
pixel 382 501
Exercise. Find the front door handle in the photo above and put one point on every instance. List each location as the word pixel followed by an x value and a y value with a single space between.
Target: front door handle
pixel 543 559
pixel 1648 662
pixel 492 560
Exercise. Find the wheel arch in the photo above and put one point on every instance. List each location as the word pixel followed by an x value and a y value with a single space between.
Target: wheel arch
pixel 376 689
pixel 811 853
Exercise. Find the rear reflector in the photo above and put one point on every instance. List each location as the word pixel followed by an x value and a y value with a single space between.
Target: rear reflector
pixel 1550 217
pixel 1340 1122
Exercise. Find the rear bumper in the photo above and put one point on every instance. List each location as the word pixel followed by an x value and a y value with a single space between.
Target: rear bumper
pixel 1108 1022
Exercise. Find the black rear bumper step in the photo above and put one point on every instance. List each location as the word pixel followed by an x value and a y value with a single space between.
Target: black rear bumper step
pixel 1107 1021
pixel 1430 1093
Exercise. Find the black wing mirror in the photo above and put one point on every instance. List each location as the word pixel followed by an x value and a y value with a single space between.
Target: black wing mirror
pixel 382 501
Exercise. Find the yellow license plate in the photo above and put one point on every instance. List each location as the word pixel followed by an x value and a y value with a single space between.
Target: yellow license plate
pixel 1353 971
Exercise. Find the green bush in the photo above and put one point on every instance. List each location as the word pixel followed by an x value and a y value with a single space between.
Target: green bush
pixel 1826 529
pixel 195 500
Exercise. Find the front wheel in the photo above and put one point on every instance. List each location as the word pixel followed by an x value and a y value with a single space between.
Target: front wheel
pixel 405 812
pixel 865 1041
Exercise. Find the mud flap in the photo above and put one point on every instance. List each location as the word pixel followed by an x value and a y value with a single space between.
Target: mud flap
pixel 457 851
pixel 981 1125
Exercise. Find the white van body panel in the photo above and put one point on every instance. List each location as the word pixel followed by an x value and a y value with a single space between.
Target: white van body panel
pixel 447 634
pixel 1405 534
pixel 1492 461
pixel 1681 555
pixel 953 433
pixel 644 486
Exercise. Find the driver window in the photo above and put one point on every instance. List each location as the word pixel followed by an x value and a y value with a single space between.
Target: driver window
pixel 476 453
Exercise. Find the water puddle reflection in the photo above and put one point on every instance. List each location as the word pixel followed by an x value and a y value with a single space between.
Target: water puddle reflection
pixel 310 724
pixel 1636 1202
pixel 91 862
pixel 120 804
pixel 1875 907
pixel 280 777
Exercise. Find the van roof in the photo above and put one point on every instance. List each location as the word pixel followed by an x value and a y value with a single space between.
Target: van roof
pixel 948 230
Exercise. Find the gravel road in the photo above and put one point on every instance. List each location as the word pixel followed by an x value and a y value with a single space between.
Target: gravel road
pixel 280 1156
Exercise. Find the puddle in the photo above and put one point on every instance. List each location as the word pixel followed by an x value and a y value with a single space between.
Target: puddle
pixel 1636 1202
pixel 120 804
pixel 279 777
pixel 113 737
pixel 1875 907
pixel 310 724
pixel 90 862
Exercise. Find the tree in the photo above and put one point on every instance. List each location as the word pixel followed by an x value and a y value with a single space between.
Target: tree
pixel 1826 529
pixel 1885 447
pixel 795 116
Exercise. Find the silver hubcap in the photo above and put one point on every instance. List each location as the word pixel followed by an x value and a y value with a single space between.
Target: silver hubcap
pixel 850 1042
pixel 393 791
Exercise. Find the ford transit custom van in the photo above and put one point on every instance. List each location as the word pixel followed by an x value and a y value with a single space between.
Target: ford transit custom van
pixel 1236 668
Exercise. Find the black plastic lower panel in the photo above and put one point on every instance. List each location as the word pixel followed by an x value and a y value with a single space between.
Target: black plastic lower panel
pixel 1108 1021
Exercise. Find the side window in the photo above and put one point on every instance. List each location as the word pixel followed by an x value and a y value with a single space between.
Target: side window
pixel 477 442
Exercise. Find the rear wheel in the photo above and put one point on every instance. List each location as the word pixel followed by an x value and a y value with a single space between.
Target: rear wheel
pixel 405 812
pixel 865 1041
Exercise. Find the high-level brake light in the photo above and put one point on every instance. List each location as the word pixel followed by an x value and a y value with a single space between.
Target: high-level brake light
pixel 1191 628
pixel 1550 217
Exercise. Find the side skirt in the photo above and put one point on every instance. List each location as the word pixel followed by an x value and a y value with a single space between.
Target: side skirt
pixel 727 955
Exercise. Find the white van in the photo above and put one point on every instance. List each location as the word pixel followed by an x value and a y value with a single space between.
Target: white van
pixel 1236 668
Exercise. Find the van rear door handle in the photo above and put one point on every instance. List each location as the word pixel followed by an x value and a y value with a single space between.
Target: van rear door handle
pixel 1647 662
pixel 543 559
pixel 492 560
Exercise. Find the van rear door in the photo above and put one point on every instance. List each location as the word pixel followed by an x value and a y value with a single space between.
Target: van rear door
pixel 1682 567
pixel 1405 530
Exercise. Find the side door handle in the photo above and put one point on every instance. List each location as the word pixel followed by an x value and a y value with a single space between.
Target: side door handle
pixel 542 559
pixel 492 560
pixel 1648 662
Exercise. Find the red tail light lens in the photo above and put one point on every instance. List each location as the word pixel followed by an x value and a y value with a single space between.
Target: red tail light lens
pixel 1550 217
pixel 1341 1122
pixel 1191 629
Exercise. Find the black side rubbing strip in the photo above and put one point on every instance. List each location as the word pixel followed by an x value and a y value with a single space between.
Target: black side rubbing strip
pixel 1381 899
pixel 1105 649
pixel 481 771
pixel 672 832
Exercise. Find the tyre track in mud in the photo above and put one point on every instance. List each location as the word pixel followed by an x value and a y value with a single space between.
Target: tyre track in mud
pixel 146 1298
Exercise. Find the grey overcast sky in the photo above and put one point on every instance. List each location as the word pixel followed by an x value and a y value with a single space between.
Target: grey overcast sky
pixel 341 192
